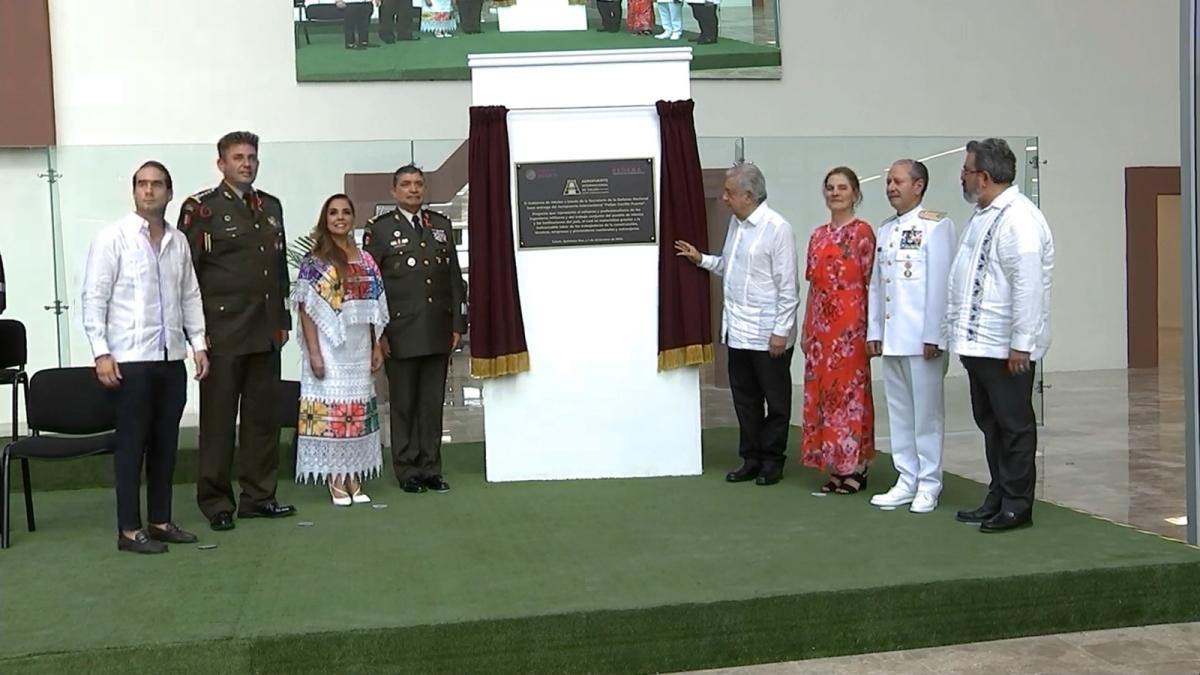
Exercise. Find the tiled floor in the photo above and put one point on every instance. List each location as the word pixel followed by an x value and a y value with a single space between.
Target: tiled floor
pixel 1112 445
pixel 1152 650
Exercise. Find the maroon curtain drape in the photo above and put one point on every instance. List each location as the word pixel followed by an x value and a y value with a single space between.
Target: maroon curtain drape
pixel 684 320
pixel 497 330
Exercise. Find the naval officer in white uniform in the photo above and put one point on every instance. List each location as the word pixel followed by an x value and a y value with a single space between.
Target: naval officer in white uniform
pixel 906 301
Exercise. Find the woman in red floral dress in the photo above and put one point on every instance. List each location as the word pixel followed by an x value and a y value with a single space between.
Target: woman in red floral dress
pixel 839 415
pixel 640 17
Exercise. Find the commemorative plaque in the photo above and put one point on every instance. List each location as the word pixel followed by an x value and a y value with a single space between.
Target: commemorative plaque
pixel 589 203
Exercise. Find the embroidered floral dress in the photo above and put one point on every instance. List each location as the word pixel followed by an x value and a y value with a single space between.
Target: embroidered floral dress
pixel 839 414
pixel 339 417
pixel 438 15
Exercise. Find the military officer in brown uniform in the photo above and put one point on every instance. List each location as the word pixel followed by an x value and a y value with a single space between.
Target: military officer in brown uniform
pixel 239 250
pixel 415 251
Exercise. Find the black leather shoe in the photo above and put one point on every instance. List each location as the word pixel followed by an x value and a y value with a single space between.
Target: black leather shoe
pixel 747 471
pixel 706 41
pixel 436 483
pixel 1006 520
pixel 413 485
pixel 978 515
pixel 140 543
pixel 221 520
pixel 769 476
pixel 171 534
pixel 269 510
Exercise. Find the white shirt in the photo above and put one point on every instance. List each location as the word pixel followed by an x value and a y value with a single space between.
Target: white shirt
pixel 999 296
pixel 758 263
pixel 138 302
pixel 907 296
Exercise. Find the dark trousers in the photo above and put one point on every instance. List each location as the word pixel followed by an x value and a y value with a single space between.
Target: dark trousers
pixel 756 379
pixel 610 14
pixel 356 22
pixel 469 12
pixel 1003 409
pixel 149 404
pixel 251 380
pixel 706 16
pixel 416 392
pixel 395 20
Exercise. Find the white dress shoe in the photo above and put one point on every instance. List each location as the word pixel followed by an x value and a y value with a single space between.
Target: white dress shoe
pixel 676 36
pixel 663 35
pixel 897 496
pixel 924 503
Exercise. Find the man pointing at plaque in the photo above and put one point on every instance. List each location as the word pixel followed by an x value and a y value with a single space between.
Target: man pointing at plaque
pixel 425 290
pixel 758 321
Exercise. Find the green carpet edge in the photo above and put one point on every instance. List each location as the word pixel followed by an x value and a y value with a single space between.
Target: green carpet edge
pixel 694 636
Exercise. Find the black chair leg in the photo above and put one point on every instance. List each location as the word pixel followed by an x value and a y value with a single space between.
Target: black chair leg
pixel 5 506
pixel 28 494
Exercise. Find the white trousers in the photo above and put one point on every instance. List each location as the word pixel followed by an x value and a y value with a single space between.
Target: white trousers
pixel 670 15
pixel 916 406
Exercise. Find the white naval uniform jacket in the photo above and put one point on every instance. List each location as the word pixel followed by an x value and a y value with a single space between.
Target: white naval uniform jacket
pixel 907 296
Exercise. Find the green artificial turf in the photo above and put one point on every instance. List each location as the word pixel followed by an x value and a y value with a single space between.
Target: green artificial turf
pixel 613 576
pixel 328 60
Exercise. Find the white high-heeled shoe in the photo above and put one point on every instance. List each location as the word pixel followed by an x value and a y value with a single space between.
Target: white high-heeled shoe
pixel 360 497
pixel 339 496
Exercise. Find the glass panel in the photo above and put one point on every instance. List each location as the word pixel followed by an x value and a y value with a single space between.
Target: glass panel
pixel 1030 187
pixel 27 244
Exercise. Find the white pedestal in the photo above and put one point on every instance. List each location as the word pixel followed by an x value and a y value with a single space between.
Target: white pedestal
pixel 534 15
pixel 593 404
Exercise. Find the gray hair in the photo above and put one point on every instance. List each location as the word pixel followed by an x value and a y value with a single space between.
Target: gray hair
pixel 749 179
pixel 917 171
pixel 995 157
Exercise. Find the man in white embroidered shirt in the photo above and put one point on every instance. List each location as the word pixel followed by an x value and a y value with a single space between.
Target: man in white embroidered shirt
pixel 141 306
pixel 998 322
pixel 758 321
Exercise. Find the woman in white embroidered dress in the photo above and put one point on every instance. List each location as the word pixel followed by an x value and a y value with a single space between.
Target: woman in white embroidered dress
pixel 343 311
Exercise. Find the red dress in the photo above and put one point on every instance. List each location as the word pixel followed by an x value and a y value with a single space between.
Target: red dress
pixel 839 414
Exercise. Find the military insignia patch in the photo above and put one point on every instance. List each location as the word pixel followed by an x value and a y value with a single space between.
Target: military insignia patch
pixel 440 236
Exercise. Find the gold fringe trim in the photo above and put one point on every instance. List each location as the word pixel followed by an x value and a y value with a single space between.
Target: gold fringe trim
pixel 508 364
pixel 691 355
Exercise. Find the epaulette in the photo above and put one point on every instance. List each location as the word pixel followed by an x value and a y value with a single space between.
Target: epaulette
pixel 203 194
pixel 267 195
pixel 935 216
pixel 375 219
pixel 436 215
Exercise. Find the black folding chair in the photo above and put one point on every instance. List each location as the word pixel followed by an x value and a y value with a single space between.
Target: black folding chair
pixel 70 415
pixel 14 352
pixel 287 411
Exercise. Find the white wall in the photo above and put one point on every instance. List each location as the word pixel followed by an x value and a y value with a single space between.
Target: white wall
pixel 187 71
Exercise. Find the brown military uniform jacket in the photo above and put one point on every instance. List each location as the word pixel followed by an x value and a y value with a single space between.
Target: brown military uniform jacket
pixel 239 249
pixel 423 280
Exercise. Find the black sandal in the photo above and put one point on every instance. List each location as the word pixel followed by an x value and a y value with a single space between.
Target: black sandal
pixel 853 483
pixel 833 485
